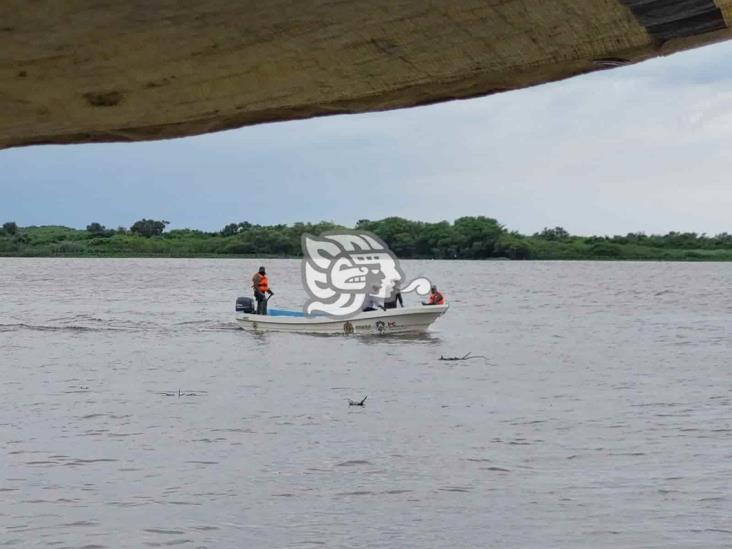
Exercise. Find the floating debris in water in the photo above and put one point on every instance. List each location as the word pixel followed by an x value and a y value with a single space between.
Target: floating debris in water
pixel 466 356
pixel 180 393
pixel 77 389
pixel 357 402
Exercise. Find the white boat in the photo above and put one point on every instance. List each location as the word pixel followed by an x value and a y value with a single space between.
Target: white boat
pixel 408 320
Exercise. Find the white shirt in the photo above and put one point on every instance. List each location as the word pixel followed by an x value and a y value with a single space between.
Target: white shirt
pixel 372 302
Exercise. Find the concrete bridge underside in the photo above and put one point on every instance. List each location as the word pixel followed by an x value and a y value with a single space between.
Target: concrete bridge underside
pixel 100 70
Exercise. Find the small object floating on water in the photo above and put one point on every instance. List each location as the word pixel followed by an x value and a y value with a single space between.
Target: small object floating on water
pixel 357 402
pixel 466 356
pixel 180 393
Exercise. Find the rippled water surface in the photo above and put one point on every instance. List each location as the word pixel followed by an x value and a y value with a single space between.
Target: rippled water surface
pixel 133 413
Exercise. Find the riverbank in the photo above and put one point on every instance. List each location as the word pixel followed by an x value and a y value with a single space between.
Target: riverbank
pixel 466 238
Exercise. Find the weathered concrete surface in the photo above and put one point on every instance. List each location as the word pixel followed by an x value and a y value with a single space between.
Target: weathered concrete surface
pixel 76 71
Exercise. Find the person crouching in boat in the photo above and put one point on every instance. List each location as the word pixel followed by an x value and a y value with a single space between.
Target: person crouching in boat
pixel 436 298
pixel 260 284
pixel 372 301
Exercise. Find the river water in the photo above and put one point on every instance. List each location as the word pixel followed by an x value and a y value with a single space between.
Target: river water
pixel 601 415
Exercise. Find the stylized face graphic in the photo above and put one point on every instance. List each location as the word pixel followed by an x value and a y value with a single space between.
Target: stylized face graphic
pixel 382 272
pixel 341 269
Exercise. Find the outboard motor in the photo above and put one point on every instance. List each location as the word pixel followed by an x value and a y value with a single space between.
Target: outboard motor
pixel 245 305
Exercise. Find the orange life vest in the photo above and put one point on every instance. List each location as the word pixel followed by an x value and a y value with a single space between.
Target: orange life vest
pixel 437 299
pixel 261 284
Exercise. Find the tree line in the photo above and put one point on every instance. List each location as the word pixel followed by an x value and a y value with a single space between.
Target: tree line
pixel 470 237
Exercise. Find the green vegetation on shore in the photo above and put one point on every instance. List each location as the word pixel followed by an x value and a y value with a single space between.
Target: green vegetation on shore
pixel 465 238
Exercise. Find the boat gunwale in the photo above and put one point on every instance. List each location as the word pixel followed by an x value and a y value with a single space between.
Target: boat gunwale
pixel 435 310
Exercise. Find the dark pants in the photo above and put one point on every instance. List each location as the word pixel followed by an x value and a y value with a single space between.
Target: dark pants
pixel 261 303
pixel 393 304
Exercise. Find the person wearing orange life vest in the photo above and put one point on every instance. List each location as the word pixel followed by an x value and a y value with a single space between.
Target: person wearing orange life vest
pixel 436 298
pixel 260 284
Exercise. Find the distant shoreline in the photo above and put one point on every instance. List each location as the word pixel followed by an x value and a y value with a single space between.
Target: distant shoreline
pixel 711 259
pixel 474 238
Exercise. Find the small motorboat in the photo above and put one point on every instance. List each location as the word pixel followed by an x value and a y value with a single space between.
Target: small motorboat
pixel 406 320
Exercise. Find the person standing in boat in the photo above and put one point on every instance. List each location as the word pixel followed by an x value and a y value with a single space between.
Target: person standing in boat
pixel 436 298
pixel 260 284
pixel 396 297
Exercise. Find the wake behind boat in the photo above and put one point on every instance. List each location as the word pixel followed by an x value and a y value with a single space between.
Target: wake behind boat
pixel 407 320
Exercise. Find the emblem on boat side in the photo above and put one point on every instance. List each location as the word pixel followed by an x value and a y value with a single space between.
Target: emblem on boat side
pixel 380 326
pixel 347 328
pixel 341 269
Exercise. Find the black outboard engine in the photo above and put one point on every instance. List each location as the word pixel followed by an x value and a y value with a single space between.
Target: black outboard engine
pixel 245 305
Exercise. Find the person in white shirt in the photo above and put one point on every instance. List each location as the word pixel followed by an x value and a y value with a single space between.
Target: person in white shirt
pixel 373 302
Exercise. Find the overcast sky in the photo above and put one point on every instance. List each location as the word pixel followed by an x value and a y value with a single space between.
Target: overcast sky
pixel 640 148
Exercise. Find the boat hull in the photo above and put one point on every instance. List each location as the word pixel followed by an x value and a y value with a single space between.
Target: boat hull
pixel 409 320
